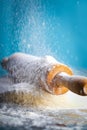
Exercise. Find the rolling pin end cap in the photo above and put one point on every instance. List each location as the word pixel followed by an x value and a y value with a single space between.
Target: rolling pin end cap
pixel 4 62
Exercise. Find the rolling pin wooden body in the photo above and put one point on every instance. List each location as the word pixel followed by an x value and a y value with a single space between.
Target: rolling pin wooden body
pixel 45 72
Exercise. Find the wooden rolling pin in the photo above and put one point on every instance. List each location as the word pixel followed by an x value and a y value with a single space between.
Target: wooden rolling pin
pixel 45 72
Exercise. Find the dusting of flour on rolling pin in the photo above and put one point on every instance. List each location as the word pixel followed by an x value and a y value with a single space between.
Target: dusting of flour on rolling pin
pixel 46 72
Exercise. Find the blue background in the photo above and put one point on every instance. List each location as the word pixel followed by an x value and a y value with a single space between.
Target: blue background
pixel 45 27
